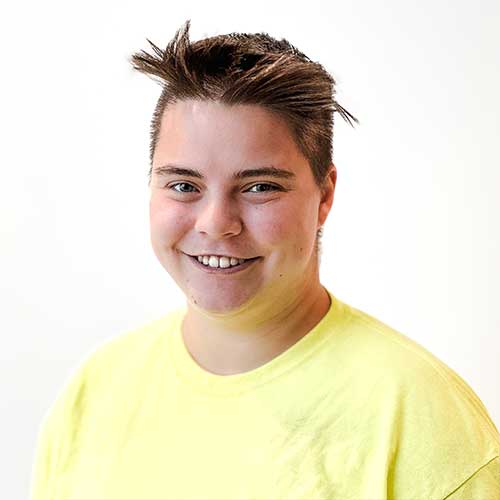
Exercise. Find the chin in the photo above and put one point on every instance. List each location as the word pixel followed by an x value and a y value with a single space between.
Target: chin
pixel 219 301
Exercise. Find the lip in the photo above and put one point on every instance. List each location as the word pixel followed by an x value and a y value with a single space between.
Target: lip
pixel 222 270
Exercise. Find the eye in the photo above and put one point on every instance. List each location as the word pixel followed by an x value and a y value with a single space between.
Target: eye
pixel 173 186
pixel 269 187
pixel 185 187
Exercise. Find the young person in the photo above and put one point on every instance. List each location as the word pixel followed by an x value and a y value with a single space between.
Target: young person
pixel 265 385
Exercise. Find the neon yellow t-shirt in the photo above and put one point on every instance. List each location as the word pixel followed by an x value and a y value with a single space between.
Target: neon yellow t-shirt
pixel 353 410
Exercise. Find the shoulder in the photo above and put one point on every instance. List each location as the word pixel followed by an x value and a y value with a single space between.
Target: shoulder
pixel 89 397
pixel 412 367
pixel 107 370
pixel 130 348
pixel 392 354
pixel 440 431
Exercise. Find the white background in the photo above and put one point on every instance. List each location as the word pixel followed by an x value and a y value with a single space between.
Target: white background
pixel 413 237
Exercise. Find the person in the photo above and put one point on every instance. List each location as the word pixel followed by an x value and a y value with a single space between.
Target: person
pixel 265 385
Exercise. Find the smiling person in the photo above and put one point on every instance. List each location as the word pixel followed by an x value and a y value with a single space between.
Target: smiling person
pixel 234 215
pixel 265 385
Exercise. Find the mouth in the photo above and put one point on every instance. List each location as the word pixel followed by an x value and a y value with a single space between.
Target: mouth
pixel 222 270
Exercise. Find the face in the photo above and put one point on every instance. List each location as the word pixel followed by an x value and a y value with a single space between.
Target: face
pixel 208 198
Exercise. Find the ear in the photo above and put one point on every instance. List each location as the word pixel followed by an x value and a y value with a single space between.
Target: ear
pixel 327 195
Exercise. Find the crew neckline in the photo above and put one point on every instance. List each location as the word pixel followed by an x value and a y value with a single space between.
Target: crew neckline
pixel 201 380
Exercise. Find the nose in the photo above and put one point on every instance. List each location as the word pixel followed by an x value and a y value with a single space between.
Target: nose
pixel 219 218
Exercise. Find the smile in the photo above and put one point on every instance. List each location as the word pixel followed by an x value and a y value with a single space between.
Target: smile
pixel 222 270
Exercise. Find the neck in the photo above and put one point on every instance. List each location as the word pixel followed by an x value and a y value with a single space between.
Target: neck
pixel 237 342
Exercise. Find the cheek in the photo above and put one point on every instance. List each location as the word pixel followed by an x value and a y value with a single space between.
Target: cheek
pixel 268 225
pixel 284 225
pixel 168 221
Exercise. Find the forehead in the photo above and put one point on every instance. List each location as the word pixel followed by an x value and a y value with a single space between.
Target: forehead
pixel 213 132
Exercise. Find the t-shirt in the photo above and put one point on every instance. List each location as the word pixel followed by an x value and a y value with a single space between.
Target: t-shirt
pixel 353 410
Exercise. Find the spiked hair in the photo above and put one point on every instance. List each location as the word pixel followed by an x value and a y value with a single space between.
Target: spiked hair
pixel 242 68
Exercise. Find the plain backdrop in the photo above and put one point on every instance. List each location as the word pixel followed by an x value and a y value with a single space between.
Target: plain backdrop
pixel 413 237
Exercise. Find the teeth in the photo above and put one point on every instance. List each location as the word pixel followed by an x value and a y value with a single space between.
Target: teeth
pixel 213 261
pixel 223 262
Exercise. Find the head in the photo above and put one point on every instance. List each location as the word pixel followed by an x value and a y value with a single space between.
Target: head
pixel 227 103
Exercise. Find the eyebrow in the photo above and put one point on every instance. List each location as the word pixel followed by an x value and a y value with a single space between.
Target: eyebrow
pixel 268 171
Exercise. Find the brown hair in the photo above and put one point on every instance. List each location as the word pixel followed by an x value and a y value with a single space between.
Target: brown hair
pixel 242 68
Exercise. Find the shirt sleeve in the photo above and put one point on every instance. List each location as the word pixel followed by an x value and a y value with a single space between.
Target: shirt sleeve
pixel 41 486
pixel 55 437
pixel 484 484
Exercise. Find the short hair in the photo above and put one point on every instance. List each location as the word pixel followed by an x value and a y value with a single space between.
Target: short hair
pixel 243 68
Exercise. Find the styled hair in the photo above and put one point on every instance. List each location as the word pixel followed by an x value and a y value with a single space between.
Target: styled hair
pixel 243 68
